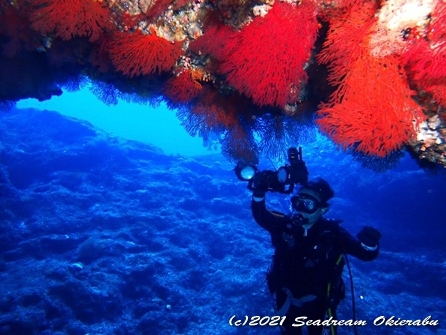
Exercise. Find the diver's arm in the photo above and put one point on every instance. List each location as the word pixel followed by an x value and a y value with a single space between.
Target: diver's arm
pixel 354 247
pixel 264 218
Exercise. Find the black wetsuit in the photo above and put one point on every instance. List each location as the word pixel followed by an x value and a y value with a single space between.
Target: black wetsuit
pixel 305 262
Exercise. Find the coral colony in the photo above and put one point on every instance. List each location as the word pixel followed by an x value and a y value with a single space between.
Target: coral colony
pixel 371 75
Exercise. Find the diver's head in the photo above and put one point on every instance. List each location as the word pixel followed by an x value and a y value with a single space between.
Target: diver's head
pixel 311 201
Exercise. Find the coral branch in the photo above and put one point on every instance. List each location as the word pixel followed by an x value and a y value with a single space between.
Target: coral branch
pixel 425 58
pixel 372 111
pixel 68 19
pixel 216 112
pixel 142 54
pixel 427 61
pixel 272 75
pixel 182 88
pixel 269 75
pixel 214 42
pixel 343 44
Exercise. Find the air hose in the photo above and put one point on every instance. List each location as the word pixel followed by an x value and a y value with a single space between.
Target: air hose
pixel 352 289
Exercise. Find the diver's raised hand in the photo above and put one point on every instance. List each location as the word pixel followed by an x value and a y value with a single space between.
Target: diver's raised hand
pixel 369 236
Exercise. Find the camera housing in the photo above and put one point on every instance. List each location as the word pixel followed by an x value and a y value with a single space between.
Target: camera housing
pixel 283 180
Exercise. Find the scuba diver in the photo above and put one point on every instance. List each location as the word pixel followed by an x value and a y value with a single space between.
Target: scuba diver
pixel 309 250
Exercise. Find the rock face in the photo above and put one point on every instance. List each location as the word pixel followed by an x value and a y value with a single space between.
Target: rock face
pixel 104 236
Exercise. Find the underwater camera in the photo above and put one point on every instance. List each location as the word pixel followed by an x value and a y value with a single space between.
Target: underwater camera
pixel 276 181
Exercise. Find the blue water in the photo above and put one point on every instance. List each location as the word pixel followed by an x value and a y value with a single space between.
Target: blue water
pixel 156 125
pixel 104 233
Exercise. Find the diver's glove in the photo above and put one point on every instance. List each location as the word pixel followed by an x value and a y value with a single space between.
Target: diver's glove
pixel 258 194
pixel 369 236
pixel 259 186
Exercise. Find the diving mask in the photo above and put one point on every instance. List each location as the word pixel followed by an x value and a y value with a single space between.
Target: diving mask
pixel 305 203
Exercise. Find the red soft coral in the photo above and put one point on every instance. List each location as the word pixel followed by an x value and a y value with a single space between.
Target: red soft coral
pixel 372 110
pixel 215 111
pixel 343 43
pixel 136 53
pixel 438 92
pixel 426 57
pixel 68 19
pixel 183 88
pixel 266 59
pixel 427 61
pixel 214 41
pixel 220 115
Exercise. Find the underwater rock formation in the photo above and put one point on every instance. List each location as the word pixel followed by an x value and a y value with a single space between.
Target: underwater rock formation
pixel 100 235
pixel 368 73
